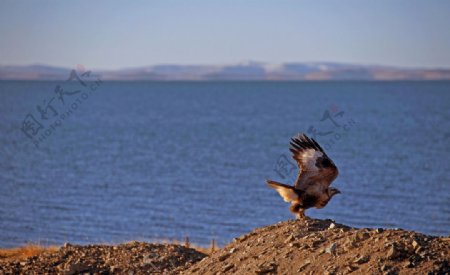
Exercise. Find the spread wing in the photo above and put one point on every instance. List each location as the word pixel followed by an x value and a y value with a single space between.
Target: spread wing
pixel 317 169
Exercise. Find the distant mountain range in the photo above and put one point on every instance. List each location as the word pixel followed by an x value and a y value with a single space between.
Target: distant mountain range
pixel 240 71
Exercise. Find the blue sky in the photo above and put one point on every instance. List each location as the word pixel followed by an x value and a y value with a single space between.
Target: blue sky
pixel 117 34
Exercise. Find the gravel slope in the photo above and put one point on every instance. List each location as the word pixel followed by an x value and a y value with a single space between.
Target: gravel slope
pixel 324 247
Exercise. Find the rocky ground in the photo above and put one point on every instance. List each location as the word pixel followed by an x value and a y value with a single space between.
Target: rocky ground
pixel 324 247
pixel 129 258
pixel 291 247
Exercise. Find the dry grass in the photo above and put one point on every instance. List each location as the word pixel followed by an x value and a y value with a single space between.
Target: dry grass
pixel 207 250
pixel 25 251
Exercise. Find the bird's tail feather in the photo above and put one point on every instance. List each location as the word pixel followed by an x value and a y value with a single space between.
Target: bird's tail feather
pixel 287 192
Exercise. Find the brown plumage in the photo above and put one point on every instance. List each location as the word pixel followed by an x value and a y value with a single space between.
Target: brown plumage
pixel 317 171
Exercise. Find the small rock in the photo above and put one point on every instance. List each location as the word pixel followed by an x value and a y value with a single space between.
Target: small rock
pixel 379 230
pixel 351 268
pixel 331 249
pixel 289 239
pixel 362 260
pixel 77 268
pixel 393 252
pixel 303 266
pixel 272 267
pixel 332 225
pixel 415 244
pixel 330 270
pixel 227 267
pixel 223 257
pixel 233 250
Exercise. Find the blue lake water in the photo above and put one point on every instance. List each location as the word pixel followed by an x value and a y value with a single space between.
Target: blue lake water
pixel 155 160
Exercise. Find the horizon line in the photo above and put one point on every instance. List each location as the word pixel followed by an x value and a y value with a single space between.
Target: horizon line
pixel 237 63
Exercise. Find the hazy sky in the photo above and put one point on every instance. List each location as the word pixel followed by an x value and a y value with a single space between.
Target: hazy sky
pixel 115 34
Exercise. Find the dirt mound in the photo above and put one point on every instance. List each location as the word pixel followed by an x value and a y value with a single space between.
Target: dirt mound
pixel 291 247
pixel 324 247
pixel 129 258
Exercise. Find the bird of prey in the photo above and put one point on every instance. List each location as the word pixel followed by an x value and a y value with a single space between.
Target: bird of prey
pixel 317 171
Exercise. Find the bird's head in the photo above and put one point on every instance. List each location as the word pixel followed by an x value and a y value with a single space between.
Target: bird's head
pixel 333 191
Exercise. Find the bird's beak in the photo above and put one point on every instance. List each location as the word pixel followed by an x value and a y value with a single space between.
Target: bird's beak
pixel 338 192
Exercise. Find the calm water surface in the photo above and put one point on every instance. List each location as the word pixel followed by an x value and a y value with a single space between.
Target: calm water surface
pixel 149 160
